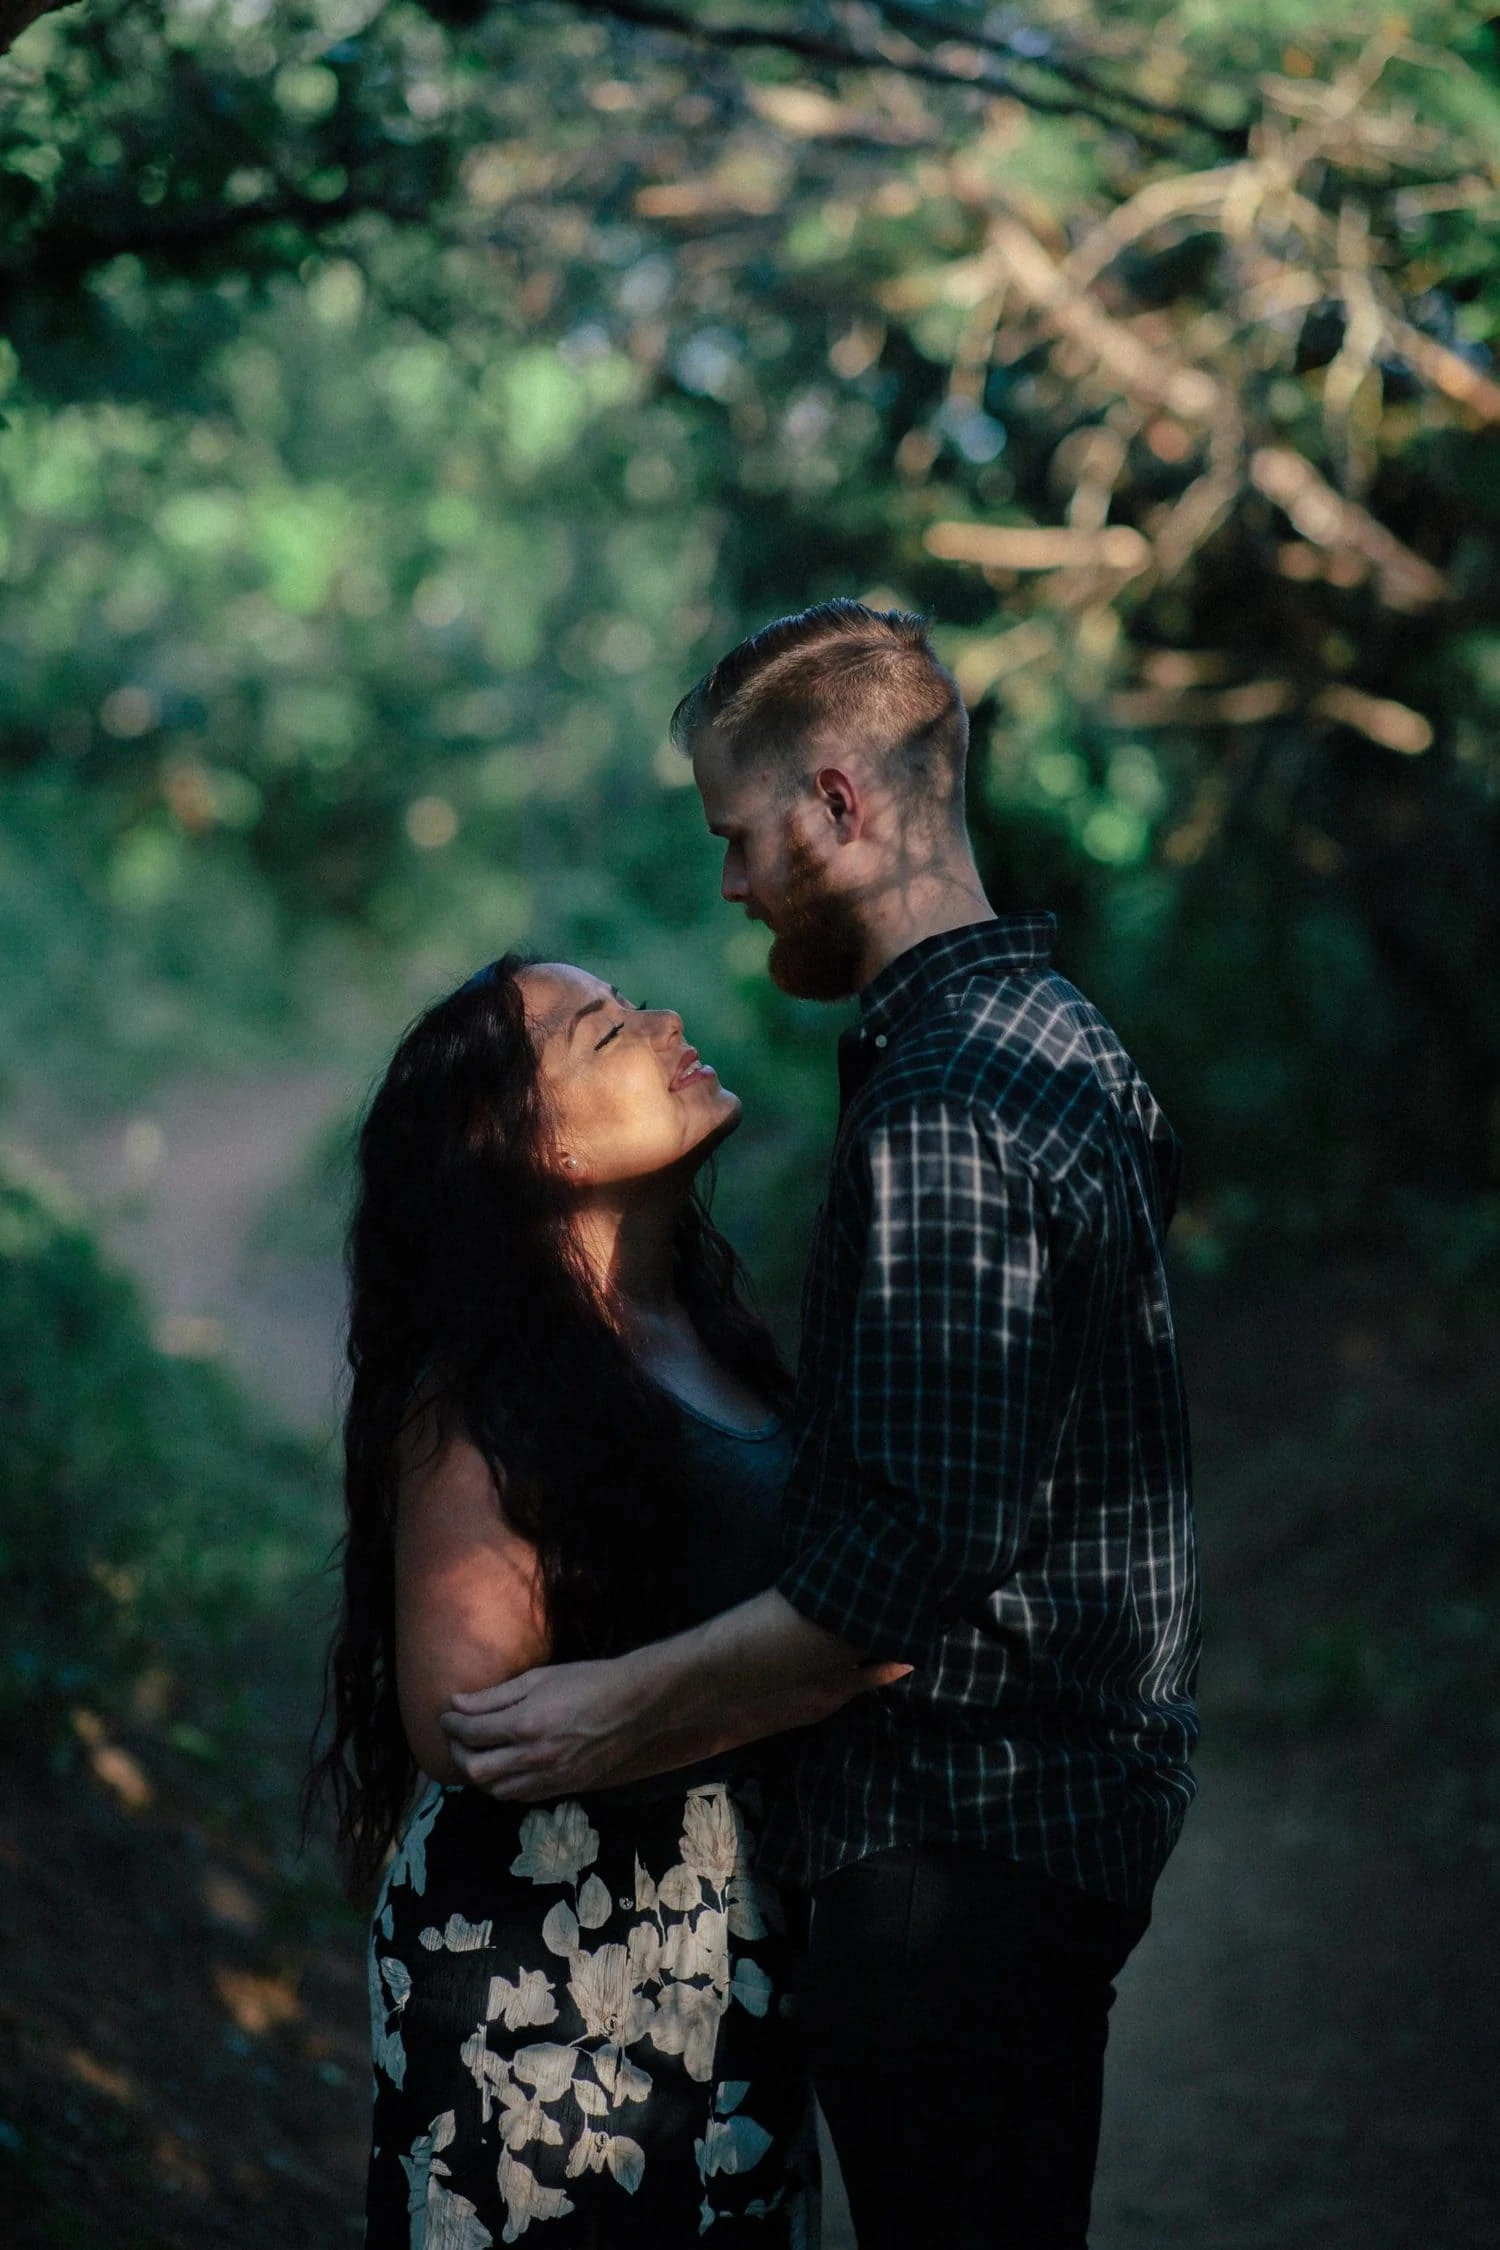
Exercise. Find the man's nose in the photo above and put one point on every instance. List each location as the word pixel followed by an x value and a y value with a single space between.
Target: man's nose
pixel 732 884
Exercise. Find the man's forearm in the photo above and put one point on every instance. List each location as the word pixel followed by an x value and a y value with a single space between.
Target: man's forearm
pixel 754 1670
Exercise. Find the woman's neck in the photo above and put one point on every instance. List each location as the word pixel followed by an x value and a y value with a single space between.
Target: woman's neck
pixel 628 1240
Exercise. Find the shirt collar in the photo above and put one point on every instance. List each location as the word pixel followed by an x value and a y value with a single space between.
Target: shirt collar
pixel 1003 947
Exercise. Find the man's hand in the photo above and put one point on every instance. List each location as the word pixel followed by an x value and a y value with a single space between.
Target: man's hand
pixel 551 1732
pixel 563 1728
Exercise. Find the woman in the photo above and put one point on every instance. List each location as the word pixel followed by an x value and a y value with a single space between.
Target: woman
pixel 564 1438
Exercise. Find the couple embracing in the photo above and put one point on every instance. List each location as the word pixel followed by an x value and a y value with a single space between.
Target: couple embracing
pixel 738 1736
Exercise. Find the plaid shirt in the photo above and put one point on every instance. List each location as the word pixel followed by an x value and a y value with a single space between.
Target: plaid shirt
pixel 991 1480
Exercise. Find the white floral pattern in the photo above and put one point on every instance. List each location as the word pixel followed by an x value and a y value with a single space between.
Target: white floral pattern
pixel 458 1936
pixel 410 1862
pixel 440 2218
pixel 668 1970
pixel 529 2001
pixel 556 1846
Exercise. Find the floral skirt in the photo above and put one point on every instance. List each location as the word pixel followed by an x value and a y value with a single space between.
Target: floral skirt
pixel 585 2020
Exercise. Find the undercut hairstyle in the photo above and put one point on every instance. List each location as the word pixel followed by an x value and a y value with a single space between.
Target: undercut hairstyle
pixel 839 675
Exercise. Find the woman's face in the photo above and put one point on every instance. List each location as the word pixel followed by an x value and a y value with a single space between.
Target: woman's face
pixel 629 1097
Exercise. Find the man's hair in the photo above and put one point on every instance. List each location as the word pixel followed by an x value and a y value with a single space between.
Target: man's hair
pixel 866 679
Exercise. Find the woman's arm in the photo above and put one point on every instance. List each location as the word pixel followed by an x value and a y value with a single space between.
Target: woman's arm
pixel 468 1598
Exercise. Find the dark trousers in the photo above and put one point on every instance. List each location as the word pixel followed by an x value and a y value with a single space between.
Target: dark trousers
pixel 957 2011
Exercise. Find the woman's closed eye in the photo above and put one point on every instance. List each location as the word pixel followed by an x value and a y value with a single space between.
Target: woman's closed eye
pixel 616 1028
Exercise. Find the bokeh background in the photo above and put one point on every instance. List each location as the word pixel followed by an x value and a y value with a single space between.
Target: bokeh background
pixel 402 405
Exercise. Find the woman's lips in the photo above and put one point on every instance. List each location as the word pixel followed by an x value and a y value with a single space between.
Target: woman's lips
pixel 689 1068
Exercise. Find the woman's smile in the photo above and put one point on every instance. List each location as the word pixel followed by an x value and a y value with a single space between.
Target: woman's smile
pixel 691 1066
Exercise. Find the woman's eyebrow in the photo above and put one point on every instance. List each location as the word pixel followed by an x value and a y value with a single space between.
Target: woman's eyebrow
pixel 592 1007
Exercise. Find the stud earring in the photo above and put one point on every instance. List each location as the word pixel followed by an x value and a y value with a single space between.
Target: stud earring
pixel 571 1162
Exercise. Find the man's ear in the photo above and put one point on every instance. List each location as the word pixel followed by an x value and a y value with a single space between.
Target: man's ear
pixel 843 801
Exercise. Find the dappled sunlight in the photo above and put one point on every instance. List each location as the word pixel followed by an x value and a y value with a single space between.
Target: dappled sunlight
pixel 113 1766
pixel 399 409
pixel 257 2003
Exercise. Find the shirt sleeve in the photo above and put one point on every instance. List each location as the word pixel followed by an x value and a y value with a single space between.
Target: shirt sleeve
pixel 945 1388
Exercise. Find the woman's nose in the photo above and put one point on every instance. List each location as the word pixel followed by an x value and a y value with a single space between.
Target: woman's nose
pixel 668 1022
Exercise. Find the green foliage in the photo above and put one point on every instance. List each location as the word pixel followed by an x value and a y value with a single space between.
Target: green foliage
pixel 403 411
pixel 155 1539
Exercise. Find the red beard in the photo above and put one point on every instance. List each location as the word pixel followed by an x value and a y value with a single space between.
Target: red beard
pixel 819 943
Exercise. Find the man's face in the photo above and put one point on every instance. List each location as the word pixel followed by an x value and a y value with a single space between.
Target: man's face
pixel 778 865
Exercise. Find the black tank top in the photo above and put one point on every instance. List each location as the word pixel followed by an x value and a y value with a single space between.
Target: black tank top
pixel 732 1550
pixel 733 1533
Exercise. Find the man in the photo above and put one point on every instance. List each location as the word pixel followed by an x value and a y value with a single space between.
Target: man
pixel 991 1482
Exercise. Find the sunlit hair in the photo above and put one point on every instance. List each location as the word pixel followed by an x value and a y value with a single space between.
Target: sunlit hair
pixel 468 1297
pixel 843 676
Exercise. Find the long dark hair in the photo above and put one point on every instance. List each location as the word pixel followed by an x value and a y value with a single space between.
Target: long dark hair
pixel 467 1295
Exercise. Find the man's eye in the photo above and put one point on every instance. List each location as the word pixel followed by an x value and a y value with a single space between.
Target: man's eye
pixel 613 1033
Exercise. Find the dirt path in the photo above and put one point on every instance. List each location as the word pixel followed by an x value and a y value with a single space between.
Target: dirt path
pixel 183 2049
pixel 200 1195
pixel 1306 2044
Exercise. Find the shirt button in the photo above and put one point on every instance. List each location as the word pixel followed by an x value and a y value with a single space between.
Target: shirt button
pixel 880 1038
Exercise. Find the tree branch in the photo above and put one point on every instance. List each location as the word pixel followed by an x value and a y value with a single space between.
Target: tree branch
pixel 985 77
pixel 1071 71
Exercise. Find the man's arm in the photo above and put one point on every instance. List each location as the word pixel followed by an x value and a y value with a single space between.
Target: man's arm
pixel 754 1670
pixel 947 1396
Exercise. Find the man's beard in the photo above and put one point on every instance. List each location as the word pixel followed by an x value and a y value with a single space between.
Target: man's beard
pixel 819 942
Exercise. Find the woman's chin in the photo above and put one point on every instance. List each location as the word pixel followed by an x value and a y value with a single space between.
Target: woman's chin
pixel 728 1109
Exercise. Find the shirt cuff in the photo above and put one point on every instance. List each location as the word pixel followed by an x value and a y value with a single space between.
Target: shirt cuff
pixel 867 1580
